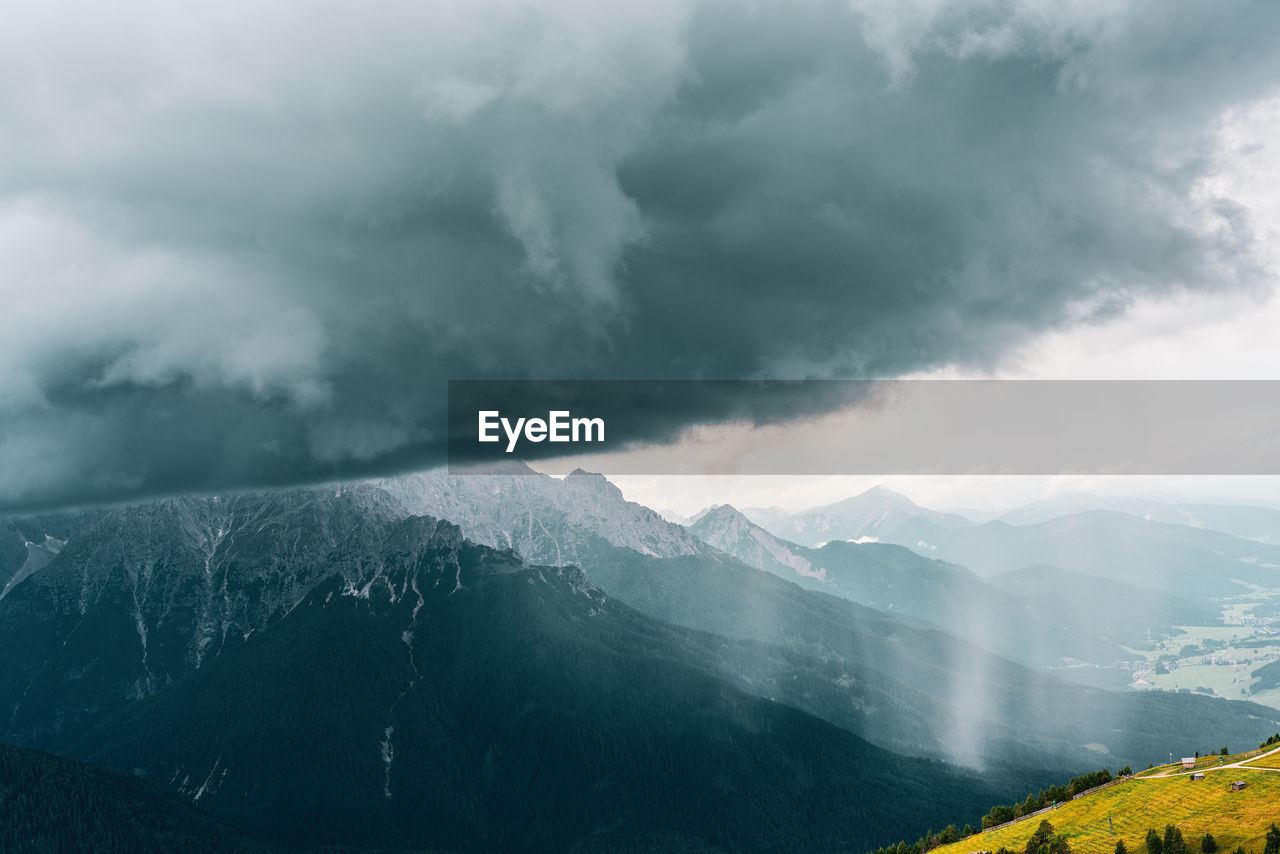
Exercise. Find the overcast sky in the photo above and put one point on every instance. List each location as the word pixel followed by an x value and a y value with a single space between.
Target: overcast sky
pixel 247 244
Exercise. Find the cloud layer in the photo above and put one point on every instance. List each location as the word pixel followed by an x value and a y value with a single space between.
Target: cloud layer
pixel 248 245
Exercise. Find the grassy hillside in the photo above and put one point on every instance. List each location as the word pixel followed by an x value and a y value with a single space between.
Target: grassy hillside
pixel 1270 761
pixel 1095 822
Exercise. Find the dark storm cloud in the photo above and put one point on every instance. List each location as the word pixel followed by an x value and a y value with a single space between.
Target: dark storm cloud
pixel 251 245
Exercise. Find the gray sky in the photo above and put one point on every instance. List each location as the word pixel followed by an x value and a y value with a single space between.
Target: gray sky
pixel 247 244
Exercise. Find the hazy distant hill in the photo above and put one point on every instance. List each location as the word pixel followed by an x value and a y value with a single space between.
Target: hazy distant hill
pixel 1102 606
pixel 1249 522
pixel 879 513
pixel 1268 676
pixel 894 578
pixel 947 687
pixel 1174 549
pixel 1192 563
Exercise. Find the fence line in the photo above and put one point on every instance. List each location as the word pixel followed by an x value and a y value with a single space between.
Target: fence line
pixel 1099 788
pixel 1054 806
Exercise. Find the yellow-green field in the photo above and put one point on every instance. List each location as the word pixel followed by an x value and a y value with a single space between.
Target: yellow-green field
pixel 1272 761
pixel 1208 805
pixel 1208 761
pixel 1213 761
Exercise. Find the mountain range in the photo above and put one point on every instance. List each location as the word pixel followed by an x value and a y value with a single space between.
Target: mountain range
pixel 1150 551
pixel 1005 615
pixel 472 701
pixel 1249 522
pixel 510 660
pixel 878 513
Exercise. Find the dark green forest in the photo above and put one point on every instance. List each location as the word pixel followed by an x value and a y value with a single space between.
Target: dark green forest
pixel 50 804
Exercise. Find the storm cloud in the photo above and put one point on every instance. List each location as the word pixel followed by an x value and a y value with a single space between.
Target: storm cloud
pixel 249 244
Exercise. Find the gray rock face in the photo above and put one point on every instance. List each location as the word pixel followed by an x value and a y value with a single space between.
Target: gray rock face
pixel 546 520
pixel 139 596
pixel 29 543
pixel 729 530
pixel 147 593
